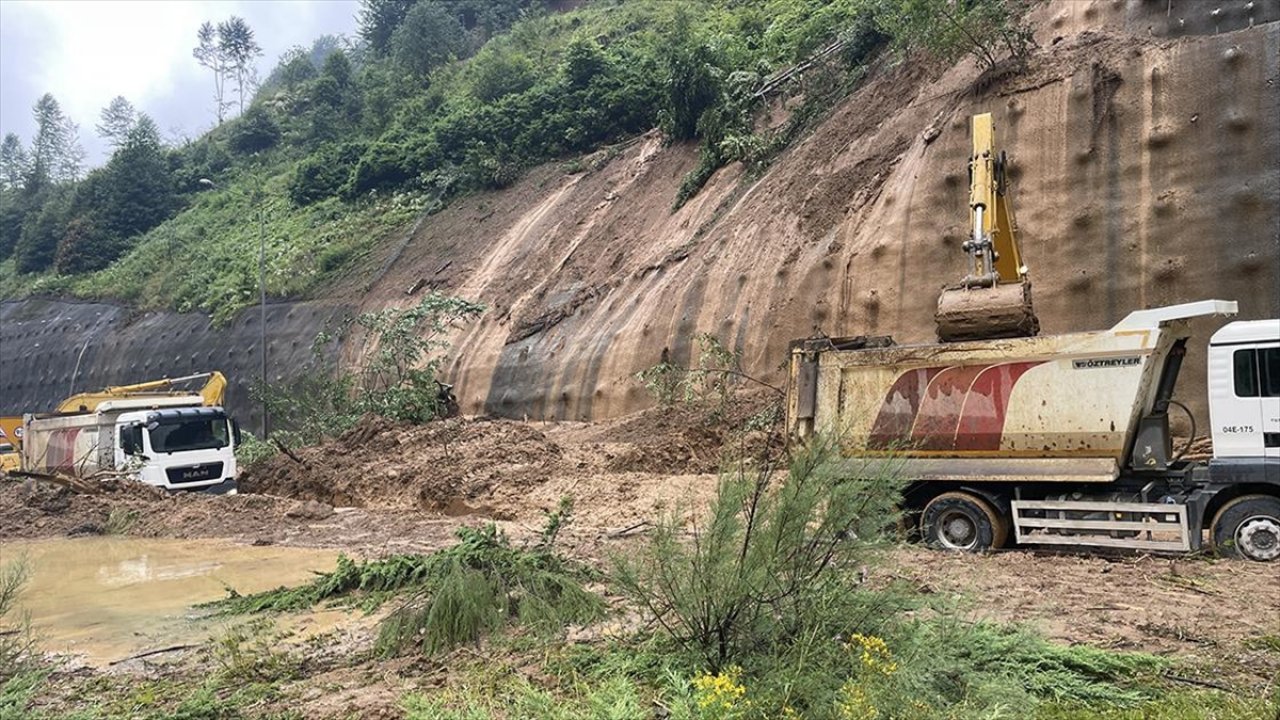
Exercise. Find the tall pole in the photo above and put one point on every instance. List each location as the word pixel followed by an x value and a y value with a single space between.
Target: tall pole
pixel 262 303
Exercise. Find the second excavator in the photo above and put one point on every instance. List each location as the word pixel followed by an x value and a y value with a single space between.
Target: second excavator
pixel 994 300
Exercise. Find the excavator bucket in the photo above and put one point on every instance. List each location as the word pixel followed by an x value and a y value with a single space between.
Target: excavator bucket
pixel 986 313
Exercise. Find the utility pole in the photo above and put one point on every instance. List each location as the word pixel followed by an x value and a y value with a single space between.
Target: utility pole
pixel 262 304
pixel 256 199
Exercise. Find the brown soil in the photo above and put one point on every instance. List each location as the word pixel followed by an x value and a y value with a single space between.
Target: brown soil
pixel 1200 610
pixel 501 469
pixel 416 485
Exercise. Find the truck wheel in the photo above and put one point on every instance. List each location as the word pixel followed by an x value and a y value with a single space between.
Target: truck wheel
pixel 963 521
pixel 1248 527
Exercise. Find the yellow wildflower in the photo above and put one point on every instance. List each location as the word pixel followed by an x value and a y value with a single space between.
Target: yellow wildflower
pixel 874 652
pixel 853 703
pixel 720 694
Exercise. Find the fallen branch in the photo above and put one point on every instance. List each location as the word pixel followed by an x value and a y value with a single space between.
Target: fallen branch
pixel 1201 683
pixel 68 481
pixel 289 452
pixel 628 530
pixel 149 653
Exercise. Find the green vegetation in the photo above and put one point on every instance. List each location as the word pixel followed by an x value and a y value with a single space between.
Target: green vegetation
pixel 21 673
pixel 119 521
pixel 395 378
pixel 456 595
pixel 770 560
pixel 347 141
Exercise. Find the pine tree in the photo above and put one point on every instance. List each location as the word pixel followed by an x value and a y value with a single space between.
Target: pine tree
pixel 379 20
pixel 237 45
pixel 71 160
pixel 118 118
pixel 13 162
pixel 49 141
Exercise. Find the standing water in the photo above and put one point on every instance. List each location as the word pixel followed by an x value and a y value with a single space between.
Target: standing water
pixel 105 599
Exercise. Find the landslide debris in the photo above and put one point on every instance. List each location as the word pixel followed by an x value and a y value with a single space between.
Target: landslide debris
pixel 495 467
pixel 455 466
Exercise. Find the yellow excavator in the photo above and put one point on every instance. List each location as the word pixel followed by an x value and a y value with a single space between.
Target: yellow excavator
pixel 214 389
pixel 994 300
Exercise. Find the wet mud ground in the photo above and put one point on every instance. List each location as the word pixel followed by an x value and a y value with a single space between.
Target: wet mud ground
pixel 404 492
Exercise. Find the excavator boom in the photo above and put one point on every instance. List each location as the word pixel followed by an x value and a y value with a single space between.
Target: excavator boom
pixel 994 299
pixel 212 393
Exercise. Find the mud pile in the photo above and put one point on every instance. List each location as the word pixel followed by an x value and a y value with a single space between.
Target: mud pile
pixel 453 467
pixel 32 509
pixel 497 467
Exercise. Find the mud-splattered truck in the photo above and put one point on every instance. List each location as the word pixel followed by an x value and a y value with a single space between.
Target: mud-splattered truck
pixel 171 439
pixel 1061 439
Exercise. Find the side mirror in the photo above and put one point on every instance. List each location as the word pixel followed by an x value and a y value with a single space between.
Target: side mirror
pixel 235 433
pixel 131 439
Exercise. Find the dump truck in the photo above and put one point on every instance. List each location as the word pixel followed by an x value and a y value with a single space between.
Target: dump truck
pixel 1060 439
pixel 168 438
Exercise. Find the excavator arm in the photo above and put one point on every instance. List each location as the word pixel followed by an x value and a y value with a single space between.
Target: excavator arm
pixel 212 393
pixel 994 299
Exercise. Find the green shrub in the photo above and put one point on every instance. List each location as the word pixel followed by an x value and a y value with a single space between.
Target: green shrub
pixel 16 643
pixel 250 652
pixel 382 165
pixel 458 594
pixel 252 450
pixel 772 551
pixel 255 131
pixel 982 28
pixel 396 380
pixel 325 173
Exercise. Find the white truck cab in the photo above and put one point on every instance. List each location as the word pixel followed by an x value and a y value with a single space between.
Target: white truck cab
pixel 1244 389
pixel 178 448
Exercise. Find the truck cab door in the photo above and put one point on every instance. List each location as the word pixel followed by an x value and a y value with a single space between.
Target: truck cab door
pixel 1269 381
pixel 1244 392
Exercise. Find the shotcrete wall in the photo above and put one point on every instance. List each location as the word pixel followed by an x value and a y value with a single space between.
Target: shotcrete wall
pixel 50 349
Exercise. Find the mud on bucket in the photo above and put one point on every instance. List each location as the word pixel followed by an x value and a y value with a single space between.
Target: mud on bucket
pixel 1003 311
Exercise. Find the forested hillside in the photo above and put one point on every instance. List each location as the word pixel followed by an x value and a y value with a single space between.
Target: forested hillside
pixel 345 142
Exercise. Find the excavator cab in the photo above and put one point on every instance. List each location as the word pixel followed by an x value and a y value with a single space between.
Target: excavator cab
pixel 994 300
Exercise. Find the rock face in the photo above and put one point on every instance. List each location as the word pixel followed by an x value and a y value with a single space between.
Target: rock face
pixel 1144 140
pixel 1145 169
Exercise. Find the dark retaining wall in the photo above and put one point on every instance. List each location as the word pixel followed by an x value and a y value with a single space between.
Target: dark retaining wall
pixel 43 341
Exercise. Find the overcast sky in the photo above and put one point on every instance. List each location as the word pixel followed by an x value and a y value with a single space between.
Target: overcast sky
pixel 86 52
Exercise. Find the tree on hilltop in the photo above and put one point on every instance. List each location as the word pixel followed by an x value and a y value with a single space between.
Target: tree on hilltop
pixel 13 162
pixel 118 119
pixel 228 49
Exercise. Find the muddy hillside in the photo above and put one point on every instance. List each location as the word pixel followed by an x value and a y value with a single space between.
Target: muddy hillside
pixel 1144 140
pixel 1145 147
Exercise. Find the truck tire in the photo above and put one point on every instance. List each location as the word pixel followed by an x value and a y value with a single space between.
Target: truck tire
pixel 964 522
pixel 1248 527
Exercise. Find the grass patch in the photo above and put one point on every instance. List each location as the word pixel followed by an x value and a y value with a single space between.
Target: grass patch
pixel 119 521
pixel 456 595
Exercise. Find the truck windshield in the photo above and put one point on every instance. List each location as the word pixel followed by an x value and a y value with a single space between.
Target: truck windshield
pixel 189 434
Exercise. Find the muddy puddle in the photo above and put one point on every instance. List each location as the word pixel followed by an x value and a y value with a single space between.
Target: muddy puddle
pixel 105 599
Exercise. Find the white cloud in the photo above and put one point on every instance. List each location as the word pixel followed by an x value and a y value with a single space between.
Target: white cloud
pixel 103 49
pixel 86 52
